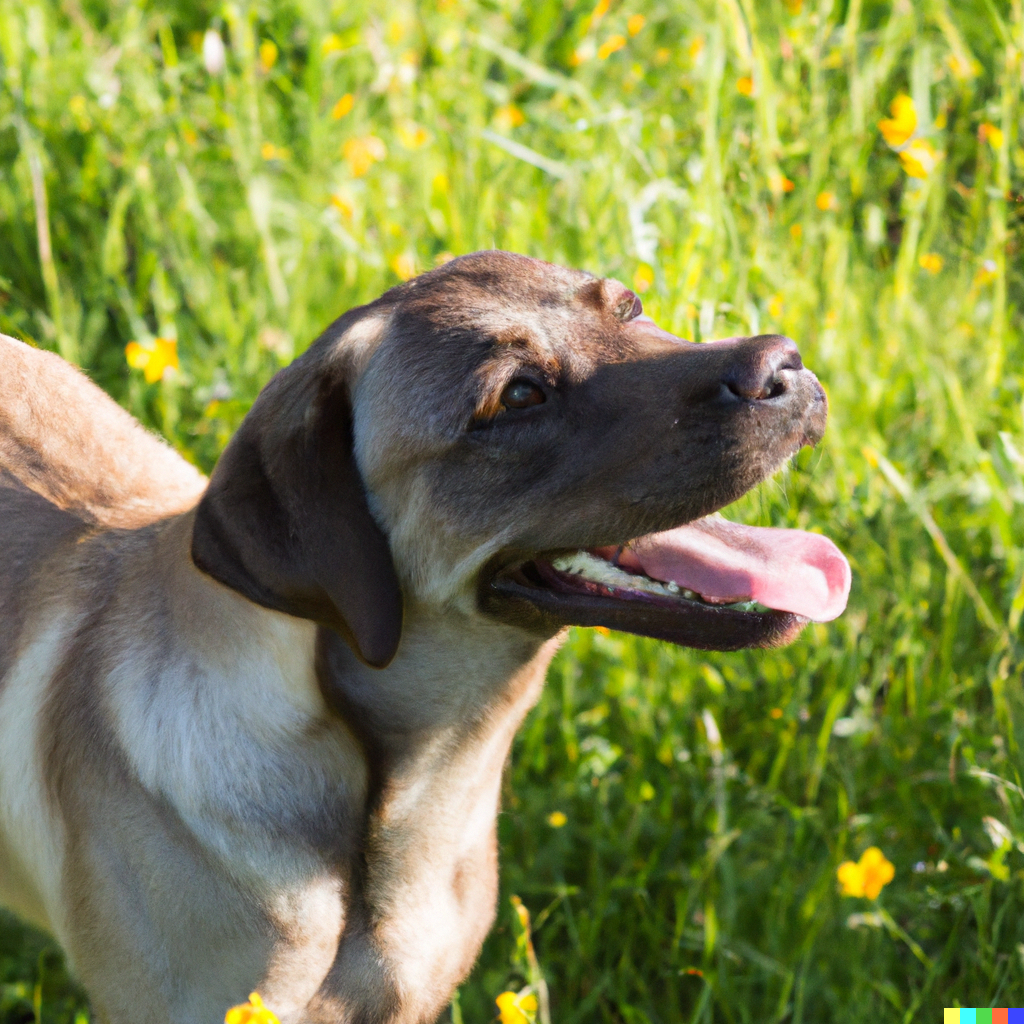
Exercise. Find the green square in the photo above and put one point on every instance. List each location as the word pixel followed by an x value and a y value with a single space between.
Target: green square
pixel 983 1016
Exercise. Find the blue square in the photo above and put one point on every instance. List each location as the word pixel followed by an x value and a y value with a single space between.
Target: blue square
pixel 1014 1016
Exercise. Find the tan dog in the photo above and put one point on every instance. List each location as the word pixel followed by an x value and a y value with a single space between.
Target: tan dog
pixel 252 733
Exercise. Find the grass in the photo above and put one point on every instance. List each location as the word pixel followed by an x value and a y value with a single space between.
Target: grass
pixel 725 155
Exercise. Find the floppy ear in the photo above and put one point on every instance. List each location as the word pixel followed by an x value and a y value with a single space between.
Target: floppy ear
pixel 284 520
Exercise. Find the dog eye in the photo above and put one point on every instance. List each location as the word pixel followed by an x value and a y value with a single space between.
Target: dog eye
pixel 521 394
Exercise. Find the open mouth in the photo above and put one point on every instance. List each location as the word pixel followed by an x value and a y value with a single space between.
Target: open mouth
pixel 711 584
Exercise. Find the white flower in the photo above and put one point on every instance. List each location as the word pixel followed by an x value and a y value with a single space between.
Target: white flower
pixel 214 57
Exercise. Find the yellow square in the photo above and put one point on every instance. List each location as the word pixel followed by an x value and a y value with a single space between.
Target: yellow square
pixel 950 1016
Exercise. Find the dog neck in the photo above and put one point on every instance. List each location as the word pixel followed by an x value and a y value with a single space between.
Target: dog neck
pixel 408 824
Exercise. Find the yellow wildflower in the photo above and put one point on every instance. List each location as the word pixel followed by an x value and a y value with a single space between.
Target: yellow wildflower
pixel 508 117
pixel 796 232
pixel 635 23
pixel 343 204
pixel 826 201
pixel 662 55
pixel 362 153
pixel 776 713
pixel 962 67
pixel 643 278
pixel 343 106
pixel 610 46
pixel 331 44
pixel 695 48
pixel 991 134
pixel 794 6
pixel 868 876
pixel 557 819
pixel 268 54
pixel 903 123
pixel 600 11
pixel 252 1012
pixel 775 307
pixel 412 135
pixel 516 1009
pixel 780 183
pixel 919 158
pixel 271 152
pixel 404 266
pixel 153 357
pixel 930 261
pixel 745 86
pixel 987 272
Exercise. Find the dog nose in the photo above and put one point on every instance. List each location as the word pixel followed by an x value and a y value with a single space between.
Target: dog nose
pixel 758 371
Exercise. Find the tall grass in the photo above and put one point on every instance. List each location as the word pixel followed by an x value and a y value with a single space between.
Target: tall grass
pixel 724 156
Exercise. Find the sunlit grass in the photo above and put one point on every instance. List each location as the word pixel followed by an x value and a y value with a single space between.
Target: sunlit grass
pixel 231 178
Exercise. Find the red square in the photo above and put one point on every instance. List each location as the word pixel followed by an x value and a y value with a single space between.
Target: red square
pixel 1001 1016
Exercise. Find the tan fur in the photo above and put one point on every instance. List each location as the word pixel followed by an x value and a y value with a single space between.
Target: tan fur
pixel 205 788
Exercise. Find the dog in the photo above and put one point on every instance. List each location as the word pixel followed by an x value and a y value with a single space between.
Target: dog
pixel 252 730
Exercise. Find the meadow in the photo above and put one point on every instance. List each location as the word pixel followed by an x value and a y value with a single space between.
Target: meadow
pixel 190 191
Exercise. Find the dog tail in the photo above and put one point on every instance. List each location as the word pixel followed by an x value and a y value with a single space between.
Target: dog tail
pixel 64 438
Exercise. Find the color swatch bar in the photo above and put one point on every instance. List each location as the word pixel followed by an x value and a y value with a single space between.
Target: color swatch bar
pixel 1006 1015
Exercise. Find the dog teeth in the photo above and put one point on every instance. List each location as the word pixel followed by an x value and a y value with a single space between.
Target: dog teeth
pixel 597 570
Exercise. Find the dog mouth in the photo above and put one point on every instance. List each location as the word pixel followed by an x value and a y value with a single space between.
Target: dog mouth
pixel 711 584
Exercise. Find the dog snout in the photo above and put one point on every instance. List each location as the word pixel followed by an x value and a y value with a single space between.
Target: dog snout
pixel 762 368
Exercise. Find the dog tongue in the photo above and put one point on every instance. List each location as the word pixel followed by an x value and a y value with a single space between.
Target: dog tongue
pixel 788 570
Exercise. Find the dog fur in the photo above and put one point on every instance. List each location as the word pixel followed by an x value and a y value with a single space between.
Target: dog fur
pixel 252 731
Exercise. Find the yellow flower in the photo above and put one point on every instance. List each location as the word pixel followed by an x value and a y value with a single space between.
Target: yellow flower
pixel 610 46
pixel 930 261
pixel 778 182
pixel 516 1009
pixel 361 154
pixel 962 67
pixel 868 876
pixel 643 278
pixel 343 204
pixel 331 44
pixel 796 232
pixel 991 134
pixel 508 117
pixel 412 135
pixel 154 357
pixel 776 713
pixel 268 54
pixel 252 1012
pixel 794 6
pixel 661 55
pixel 404 266
pixel 745 86
pixel 826 201
pixel 343 106
pixel 695 48
pixel 635 23
pixel 557 819
pixel 271 152
pixel 919 158
pixel 903 123
pixel 775 307
pixel 987 272
pixel 600 11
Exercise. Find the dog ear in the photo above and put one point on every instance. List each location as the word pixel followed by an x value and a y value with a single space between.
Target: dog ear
pixel 284 520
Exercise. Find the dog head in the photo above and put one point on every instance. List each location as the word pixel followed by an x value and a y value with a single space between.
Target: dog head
pixel 487 436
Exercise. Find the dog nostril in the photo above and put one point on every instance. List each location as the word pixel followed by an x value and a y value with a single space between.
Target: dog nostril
pixel 760 369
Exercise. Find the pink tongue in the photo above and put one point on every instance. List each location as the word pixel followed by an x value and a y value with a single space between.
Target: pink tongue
pixel 788 570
